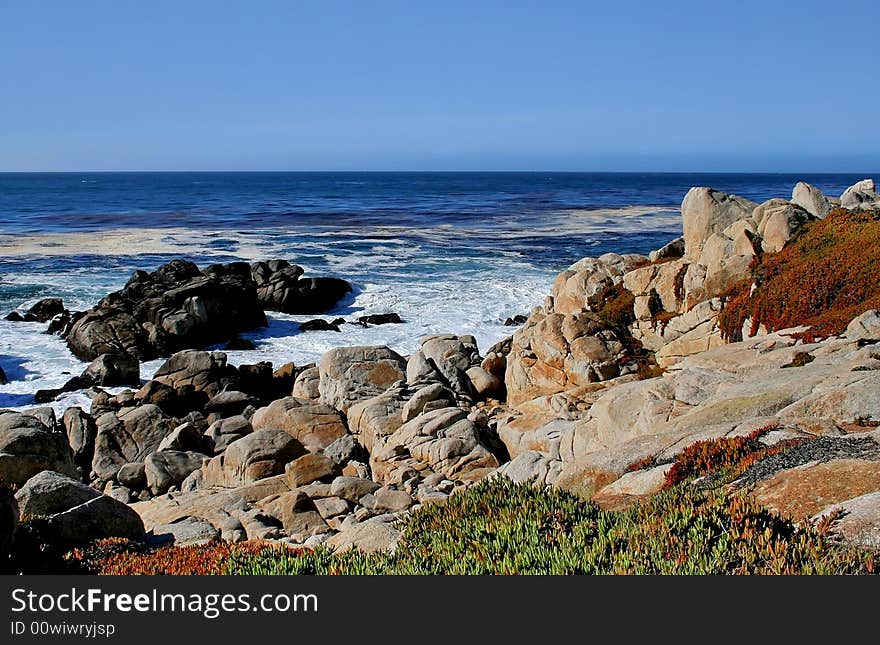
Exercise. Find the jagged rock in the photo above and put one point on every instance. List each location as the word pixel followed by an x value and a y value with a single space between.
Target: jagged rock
pixel 372 420
pixel 111 370
pixel 205 372
pixel 671 250
pixel 655 284
pixel 453 356
pixel 223 432
pixel 862 194
pixel 259 455
pixel 314 425
pixel 865 327
pixel 81 432
pixel 555 352
pixel 176 307
pixel 46 309
pixel 281 287
pixel 28 446
pixel 778 224
pixel 425 399
pixel 215 505
pixel 705 211
pixel 48 492
pixel 582 286
pixel 127 437
pixel 169 468
pixel 349 375
pixel 726 256
pixel 441 441
pixel 812 200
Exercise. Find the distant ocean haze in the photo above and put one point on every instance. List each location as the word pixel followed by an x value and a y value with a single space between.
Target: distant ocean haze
pixel 449 252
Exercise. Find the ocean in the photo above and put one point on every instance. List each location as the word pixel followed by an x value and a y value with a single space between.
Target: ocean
pixel 449 252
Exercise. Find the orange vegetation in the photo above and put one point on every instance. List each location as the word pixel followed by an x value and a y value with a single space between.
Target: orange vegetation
pixel 824 278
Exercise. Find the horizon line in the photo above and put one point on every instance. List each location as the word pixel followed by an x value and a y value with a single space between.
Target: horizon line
pixel 549 171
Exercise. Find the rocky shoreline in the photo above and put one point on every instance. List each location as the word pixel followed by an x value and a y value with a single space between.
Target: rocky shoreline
pixel 624 367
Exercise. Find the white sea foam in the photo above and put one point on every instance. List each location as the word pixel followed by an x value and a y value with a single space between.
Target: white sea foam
pixel 399 270
pixel 34 360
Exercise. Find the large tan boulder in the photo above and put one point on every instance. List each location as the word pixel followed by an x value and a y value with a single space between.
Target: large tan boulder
pixel 48 492
pixel 705 211
pixel 370 537
pixel 349 375
pixel 314 425
pixel 373 420
pixel 778 223
pixel 213 504
pixel 261 454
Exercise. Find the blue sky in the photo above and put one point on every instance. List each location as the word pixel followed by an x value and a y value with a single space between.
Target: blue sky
pixel 749 86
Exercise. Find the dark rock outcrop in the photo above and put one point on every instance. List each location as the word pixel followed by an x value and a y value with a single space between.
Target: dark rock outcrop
pixel 175 307
pixel 45 310
pixel 281 287
pixel 380 319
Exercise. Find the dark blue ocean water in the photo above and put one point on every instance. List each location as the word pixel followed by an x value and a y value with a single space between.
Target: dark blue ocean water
pixel 450 252
pixel 44 202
